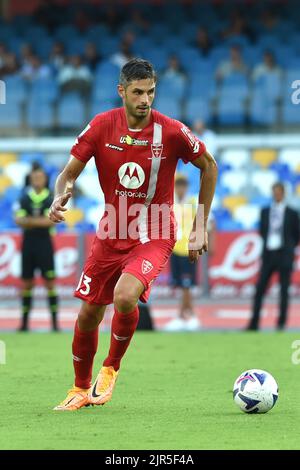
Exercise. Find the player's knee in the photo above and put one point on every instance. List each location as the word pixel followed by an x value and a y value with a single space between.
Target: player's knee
pixel 124 300
pixel 90 313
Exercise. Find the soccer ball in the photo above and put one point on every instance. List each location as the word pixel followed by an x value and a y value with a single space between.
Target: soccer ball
pixel 255 391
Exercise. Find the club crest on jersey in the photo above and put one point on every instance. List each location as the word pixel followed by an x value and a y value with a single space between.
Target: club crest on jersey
pixel 156 150
pixel 146 266
pixel 127 139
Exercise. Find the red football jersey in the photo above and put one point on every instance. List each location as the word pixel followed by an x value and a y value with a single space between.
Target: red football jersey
pixel 136 173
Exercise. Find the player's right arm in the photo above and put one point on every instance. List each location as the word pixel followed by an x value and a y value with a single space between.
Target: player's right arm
pixel 64 188
pixel 83 149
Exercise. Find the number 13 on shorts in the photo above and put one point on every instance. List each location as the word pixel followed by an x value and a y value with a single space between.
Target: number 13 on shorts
pixel 86 280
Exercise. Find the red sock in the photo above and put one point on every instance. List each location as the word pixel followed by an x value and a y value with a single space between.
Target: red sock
pixel 122 328
pixel 84 348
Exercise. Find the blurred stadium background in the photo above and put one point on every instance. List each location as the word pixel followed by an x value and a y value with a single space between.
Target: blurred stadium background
pixel 228 64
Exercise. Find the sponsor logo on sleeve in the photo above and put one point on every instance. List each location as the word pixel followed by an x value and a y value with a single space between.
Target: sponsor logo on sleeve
pixel 195 144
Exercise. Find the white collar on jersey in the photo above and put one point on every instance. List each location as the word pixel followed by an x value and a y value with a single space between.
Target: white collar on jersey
pixel 134 130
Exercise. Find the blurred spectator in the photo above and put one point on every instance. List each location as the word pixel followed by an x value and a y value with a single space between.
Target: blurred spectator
pixel 75 76
pixel 206 135
pixel 57 57
pixel 238 26
pixel 235 64
pixel 125 53
pixel 34 69
pixel 183 271
pixel 9 65
pixel 268 66
pixel 26 53
pixel 280 232
pixel 50 13
pixel 112 18
pixel 91 56
pixel 269 20
pixel 3 53
pixel 174 69
pixel 140 24
pixel 202 42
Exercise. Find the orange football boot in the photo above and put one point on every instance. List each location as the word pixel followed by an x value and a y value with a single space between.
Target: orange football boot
pixel 76 398
pixel 101 391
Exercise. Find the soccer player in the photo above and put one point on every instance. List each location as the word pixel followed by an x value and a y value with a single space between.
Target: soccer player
pixel 37 249
pixel 136 150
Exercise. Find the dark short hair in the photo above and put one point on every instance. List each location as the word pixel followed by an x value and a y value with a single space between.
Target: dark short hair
pixel 136 69
pixel 279 185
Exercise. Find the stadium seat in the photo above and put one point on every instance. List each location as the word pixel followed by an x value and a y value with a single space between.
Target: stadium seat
pixel 44 90
pixel 263 111
pixel 40 115
pixel 88 183
pixel 233 201
pixel 198 108
pixel 171 87
pixel 101 106
pixel 231 105
pixel 71 112
pixel 6 158
pixel 104 88
pixel 236 158
pixel 11 116
pixel 169 106
pixel 73 216
pixel 235 181
pixel 247 216
pixel 11 194
pixel 263 180
pixel 17 172
pixel 16 91
pixel 290 113
pixel 5 182
pixel 30 157
pixel 290 156
pixel 264 157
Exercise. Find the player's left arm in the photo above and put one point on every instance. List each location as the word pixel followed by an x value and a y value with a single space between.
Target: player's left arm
pixel 198 241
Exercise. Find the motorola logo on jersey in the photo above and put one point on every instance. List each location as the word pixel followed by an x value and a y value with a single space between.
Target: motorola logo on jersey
pixel 131 175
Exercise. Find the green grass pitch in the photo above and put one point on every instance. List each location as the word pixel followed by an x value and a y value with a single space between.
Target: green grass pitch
pixel 174 392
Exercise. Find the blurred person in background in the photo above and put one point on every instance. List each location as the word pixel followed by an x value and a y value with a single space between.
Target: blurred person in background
pixel 267 67
pixel 34 69
pixel 57 58
pixel 9 65
pixel 235 64
pixel 202 42
pixel 91 56
pixel 125 53
pixel 37 250
pixel 184 272
pixel 238 26
pixel 75 76
pixel 174 71
pixel 280 232
pixel 3 53
pixel 207 135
